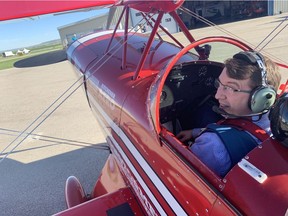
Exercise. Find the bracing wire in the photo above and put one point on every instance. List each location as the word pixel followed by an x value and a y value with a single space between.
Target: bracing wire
pixel 272 38
pixel 209 23
pixel 272 33
pixel 51 139
pixel 25 132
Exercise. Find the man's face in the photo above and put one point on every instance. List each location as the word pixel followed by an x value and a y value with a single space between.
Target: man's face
pixel 231 100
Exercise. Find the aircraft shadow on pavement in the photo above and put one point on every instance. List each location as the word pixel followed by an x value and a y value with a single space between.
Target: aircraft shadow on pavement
pixel 42 59
pixel 37 188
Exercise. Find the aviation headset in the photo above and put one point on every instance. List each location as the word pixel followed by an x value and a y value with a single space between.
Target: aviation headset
pixel 261 97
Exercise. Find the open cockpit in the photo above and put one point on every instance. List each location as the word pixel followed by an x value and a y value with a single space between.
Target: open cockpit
pixel 187 97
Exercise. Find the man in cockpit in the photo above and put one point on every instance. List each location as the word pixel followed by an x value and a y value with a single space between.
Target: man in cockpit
pixel 246 90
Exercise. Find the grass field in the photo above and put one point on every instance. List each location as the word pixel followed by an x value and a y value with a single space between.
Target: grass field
pixel 8 62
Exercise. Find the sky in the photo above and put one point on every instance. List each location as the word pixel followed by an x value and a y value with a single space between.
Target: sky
pixel 26 32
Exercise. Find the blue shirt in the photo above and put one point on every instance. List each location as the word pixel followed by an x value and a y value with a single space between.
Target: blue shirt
pixel 209 148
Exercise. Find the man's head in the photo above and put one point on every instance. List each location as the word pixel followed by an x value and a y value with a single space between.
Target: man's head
pixel 241 81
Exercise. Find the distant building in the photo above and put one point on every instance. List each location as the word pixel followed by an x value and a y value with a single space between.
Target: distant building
pixel 167 22
pixel 215 11
pixel 72 31
pixel 277 7
pixel 227 11
pixel 8 53
pixel 22 52
pixel 69 32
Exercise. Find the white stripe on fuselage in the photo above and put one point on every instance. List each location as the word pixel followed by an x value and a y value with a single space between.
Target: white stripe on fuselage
pixel 175 206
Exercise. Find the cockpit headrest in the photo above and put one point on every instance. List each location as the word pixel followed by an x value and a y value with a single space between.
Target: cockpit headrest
pixel 279 119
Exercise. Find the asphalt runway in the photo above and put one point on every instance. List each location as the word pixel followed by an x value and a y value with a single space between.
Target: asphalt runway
pixel 34 174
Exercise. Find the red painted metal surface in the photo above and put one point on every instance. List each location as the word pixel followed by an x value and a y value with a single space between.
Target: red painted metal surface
pixel 126 111
pixel 74 192
pixel 260 199
pixel 110 179
pixel 152 6
pixel 149 171
pixel 148 46
pixel 135 122
pixel 101 205
pixel 23 8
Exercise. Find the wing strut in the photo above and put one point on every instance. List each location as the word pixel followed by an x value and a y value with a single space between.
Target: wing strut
pixel 123 66
pixel 200 51
pixel 148 45
pixel 115 29
pixel 150 24
pixel 166 32
pixel 182 26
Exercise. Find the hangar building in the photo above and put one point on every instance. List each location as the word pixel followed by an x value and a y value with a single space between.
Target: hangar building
pixel 229 11
pixel 72 31
pixel 215 11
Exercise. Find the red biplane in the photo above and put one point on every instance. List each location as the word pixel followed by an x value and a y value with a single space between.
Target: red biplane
pixel 139 87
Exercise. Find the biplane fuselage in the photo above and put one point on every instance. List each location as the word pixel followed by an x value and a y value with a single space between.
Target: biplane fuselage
pixel 140 88
pixel 166 178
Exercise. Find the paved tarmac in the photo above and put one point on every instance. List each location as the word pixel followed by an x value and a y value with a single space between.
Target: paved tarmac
pixel 34 175
pixel 254 32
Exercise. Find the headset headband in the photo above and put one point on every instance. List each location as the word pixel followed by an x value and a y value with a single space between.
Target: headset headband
pixel 254 58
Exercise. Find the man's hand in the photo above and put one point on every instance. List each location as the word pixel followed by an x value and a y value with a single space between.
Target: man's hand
pixel 185 135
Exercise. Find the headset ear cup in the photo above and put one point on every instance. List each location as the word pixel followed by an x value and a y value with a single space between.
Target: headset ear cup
pixel 262 98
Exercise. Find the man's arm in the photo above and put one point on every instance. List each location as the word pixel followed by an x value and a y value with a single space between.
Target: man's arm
pixel 209 148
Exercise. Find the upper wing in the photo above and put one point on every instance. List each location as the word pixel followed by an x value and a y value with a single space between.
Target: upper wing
pixel 20 9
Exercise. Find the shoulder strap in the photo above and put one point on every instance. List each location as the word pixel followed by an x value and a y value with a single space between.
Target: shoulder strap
pixel 237 142
pixel 247 125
